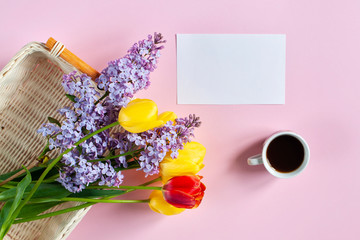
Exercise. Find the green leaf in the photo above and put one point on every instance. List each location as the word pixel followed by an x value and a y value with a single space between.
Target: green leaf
pixel 45 190
pixel 7 216
pixel 9 174
pixel 7 194
pixel 35 173
pixel 50 190
pixel 4 216
pixel 53 120
pixel 31 210
pixel 95 193
pixel 71 97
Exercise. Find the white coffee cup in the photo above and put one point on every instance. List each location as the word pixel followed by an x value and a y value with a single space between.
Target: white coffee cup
pixel 263 158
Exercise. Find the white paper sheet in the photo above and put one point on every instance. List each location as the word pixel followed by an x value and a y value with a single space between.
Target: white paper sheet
pixel 231 68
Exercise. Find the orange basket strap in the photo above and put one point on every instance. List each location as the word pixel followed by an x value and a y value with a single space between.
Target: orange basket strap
pixel 74 60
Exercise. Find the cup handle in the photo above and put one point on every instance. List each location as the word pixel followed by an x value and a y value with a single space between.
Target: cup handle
pixel 255 160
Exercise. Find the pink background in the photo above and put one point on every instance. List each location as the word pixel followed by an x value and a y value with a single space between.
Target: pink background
pixel 241 202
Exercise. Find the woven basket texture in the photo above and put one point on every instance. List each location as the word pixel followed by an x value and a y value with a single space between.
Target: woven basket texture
pixel 30 91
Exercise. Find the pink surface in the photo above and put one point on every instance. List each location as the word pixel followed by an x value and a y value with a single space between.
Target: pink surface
pixel 241 202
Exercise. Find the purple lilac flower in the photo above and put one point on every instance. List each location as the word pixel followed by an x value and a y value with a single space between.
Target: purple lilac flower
pixel 127 75
pixel 81 116
pixel 120 81
pixel 48 129
pixel 79 173
pixel 121 142
pixel 163 140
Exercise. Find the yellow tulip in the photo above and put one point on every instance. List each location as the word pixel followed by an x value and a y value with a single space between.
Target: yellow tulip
pixel 188 162
pixel 141 115
pixel 158 204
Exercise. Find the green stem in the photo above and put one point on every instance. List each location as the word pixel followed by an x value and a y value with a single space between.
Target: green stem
pixel 12 184
pixel 45 150
pixel 51 179
pixel 128 168
pixel 125 187
pixel 8 186
pixel 112 157
pixel 131 165
pixel 103 96
pixel 54 162
pixel 53 213
pixel 46 215
pixel 151 181
pixel 102 200
pixel 89 200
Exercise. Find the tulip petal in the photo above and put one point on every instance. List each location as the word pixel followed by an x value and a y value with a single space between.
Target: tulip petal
pixel 188 162
pixel 200 195
pixel 167 116
pixel 194 150
pixel 141 127
pixel 184 191
pixel 175 168
pixel 187 184
pixel 139 110
pixel 179 199
pixel 141 115
pixel 158 204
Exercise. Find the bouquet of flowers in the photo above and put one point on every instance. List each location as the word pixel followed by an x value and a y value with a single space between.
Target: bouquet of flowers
pixel 103 132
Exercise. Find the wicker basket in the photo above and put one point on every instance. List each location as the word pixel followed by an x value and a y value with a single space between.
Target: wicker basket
pixel 30 90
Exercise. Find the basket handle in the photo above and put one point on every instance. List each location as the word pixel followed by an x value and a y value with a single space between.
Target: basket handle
pixel 72 59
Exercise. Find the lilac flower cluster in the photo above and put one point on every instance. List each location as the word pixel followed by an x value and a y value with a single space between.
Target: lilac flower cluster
pixel 85 117
pixel 159 142
pixel 78 173
pixel 125 76
pixel 89 112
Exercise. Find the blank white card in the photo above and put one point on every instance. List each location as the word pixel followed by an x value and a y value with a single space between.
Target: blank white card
pixel 231 68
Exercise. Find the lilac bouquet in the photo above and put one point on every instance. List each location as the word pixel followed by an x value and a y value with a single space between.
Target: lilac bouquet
pixel 103 132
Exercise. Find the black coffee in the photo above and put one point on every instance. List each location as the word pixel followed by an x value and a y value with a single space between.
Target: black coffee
pixel 285 153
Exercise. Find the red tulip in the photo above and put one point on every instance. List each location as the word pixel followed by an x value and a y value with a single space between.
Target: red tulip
pixel 184 191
